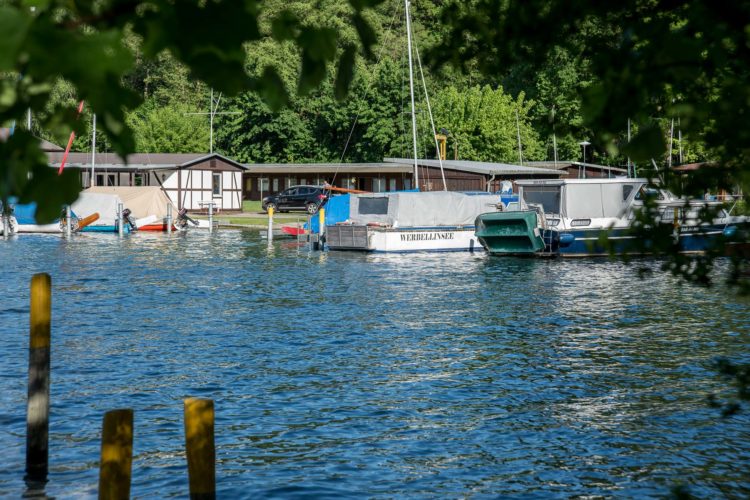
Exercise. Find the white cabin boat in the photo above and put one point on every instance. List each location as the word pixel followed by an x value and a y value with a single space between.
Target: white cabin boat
pixel 567 217
pixel 411 222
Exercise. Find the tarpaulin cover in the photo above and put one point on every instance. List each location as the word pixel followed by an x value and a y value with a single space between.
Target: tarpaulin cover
pixel 105 205
pixel 337 210
pixel 425 209
pixel 25 214
pixel 141 200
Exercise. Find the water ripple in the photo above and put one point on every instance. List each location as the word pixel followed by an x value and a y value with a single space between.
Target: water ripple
pixel 351 375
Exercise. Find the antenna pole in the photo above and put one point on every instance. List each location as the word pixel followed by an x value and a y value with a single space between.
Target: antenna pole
pixel 411 92
pixel 518 131
pixel 93 152
pixel 671 144
pixel 679 139
pixel 629 143
pixel 212 113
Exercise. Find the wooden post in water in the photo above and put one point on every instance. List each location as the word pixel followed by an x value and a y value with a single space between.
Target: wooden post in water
pixel 116 455
pixel 37 409
pixel 199 444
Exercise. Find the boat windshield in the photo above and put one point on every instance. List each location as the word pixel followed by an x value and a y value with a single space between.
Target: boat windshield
pixel 546 196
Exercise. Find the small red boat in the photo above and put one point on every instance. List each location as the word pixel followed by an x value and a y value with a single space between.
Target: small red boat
pixel 293 230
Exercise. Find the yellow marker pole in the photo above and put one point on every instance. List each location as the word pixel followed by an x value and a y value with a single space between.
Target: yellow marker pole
pixel 116 456
pixel 199 444
pixel 270 224
pixel 37 408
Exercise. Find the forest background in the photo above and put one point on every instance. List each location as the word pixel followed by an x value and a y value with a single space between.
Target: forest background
pixel 483 115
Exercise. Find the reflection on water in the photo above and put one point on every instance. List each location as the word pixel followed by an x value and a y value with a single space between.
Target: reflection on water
pixel 345 374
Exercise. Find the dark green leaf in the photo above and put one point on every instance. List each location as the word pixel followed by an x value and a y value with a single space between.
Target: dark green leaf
pixel 285 26
pixel 345 73
pixel 14 25
pixel 360 5
pixel 271 88
pixel 366 34
pixel 647 144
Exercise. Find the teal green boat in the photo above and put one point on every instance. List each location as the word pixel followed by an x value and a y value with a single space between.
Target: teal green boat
pixel 513 232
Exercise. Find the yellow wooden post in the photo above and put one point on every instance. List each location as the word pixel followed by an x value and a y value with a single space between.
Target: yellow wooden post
pixel 116 455
pixel 37 407
pixel 199 444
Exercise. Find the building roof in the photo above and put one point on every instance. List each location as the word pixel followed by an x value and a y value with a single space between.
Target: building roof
pixel 561 165
pixel 49 147
pixel 138 161
pixel 479 167
pixel 691 167
pixel 328 168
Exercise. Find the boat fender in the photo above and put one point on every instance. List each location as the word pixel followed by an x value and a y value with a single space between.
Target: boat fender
pixel 566 239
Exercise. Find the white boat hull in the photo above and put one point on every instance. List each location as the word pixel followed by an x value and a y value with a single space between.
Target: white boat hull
pixel 375 239
pixel 53 228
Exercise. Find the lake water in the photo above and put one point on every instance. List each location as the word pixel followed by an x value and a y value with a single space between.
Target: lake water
pixel 355 375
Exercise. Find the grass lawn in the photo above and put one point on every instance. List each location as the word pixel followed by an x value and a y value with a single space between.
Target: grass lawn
pixel 251 206
pixel 253 215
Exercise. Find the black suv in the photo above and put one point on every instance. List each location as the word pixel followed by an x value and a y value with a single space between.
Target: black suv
pixel 308 198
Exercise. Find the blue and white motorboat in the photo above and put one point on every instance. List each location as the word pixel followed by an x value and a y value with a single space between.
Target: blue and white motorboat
pixel 435 221
pixel 570 217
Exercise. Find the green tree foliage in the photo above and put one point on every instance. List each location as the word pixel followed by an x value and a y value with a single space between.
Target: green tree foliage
pixel 169 129
pixel 482 124
pixel 86 43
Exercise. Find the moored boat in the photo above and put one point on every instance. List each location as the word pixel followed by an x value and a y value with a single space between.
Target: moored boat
pixel 572 217
pixel 410 222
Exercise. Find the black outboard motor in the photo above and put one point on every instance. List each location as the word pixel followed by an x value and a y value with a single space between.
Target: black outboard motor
pixel 127 215
pixel 181 221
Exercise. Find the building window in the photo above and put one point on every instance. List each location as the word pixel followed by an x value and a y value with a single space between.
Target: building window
pixel 105 179
pixel 216 185
pixel 378 185
pixel 407 184
pixel 138 180
pixel 275 185
pixel 303 182
pixel 248 184
pixel 392 184
pixel 291 181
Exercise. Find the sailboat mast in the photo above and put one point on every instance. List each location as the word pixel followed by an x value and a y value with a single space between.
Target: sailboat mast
pixel 411 92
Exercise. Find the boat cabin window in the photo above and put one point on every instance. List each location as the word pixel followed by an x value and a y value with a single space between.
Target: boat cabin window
pixel 546 196
pixel 626 190
pixel 373 206
pixel 647 192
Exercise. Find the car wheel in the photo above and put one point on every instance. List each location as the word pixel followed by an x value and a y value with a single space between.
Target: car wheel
pixel 311 208
pixel 272 206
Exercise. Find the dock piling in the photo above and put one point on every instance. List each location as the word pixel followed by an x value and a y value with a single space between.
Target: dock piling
pixel 37 409
pixel 169 217
pixel 120 229
pixel 116 455
pixel 270 224
pixel 210 217
pixel 68 222
pixel 322 221
pixel 200 450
